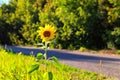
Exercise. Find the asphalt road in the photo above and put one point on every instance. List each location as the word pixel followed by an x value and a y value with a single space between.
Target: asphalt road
pixel 91 62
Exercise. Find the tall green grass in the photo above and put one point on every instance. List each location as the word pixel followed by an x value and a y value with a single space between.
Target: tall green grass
pixel 17 67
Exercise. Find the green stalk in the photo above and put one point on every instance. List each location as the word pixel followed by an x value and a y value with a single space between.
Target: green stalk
pixel 45 54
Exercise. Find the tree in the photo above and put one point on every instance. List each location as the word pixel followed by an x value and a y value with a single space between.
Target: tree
pixel 85 23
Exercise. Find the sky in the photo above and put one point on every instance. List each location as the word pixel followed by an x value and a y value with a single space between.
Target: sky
pixel 4 1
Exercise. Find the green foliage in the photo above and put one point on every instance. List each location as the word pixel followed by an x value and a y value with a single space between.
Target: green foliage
pixel 117 52
pixel 115 35
pixel 39 56
pixel 48 76
pixel 34 67
pixel 16 67
pixel 58 65
pixel 4 32
pixel 79 23
pixel 83 49
pixel 15 39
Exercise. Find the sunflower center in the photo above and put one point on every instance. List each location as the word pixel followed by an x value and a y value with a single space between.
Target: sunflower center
pixel 46 33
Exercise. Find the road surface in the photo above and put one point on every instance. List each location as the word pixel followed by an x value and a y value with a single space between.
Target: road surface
pixel 90 62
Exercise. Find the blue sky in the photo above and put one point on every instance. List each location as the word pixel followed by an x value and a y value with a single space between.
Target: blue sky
pixel 4 1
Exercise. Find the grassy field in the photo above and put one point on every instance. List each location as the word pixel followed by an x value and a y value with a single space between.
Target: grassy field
pixel 18 66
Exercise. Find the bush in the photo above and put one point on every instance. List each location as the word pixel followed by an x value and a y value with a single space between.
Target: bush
pixel 79 23
pixel 83 49
pixel 115 35
pixel 117 52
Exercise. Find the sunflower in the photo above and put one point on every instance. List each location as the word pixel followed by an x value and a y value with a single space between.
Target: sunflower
pixel 47 33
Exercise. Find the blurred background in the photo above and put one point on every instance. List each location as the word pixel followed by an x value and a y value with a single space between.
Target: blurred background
pixel 92 24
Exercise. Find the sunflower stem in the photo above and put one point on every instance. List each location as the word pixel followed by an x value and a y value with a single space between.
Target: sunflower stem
pixel 45 50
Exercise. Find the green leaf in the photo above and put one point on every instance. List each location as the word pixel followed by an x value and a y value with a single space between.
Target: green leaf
pixel 39 56
pixel 48 76
pixel 34 67
pixel 57 62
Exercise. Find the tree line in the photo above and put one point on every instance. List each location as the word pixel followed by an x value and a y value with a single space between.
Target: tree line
pixel 94 24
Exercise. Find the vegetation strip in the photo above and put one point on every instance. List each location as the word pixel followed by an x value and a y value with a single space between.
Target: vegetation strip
pixel 17 66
